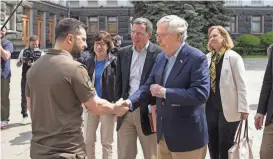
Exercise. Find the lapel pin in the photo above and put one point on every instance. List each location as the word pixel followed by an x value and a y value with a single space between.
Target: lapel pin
pixel 181 61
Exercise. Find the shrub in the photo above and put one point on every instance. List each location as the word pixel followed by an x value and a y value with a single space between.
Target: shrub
pixel 267 39
pixel 247 43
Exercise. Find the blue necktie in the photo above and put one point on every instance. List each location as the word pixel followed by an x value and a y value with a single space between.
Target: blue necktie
pixel 164 79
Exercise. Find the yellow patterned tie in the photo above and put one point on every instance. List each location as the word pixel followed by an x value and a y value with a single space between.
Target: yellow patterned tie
pixel 214 61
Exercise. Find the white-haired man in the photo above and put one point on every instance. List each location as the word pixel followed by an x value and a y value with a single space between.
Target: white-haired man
pixel 180 82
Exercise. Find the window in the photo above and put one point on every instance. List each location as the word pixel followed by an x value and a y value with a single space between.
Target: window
pixel 233 2
pixel 9 25
pixel 74 3
pixel 93 25
pixel 93 3
pixel 112 25
pixel 112 2
pixel 256 2
pixel 51 35
pixel 232 28
pixel 25 26
pixel 256 24
pixel 62 2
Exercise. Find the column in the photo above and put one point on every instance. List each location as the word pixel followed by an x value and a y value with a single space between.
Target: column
pixel 31 22
pixel 44 31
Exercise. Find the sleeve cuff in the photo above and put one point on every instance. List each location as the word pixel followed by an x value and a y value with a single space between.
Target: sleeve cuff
pixel 165 93
pixel 149 108
pixel 130 105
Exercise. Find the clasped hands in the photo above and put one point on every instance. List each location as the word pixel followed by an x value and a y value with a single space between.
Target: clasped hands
pixel 121 107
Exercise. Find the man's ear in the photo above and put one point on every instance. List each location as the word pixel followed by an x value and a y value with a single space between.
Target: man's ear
pixel 179 37
pixel 70 38
pixel 150 34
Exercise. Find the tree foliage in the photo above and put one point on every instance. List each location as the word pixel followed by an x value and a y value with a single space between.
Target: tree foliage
pixel 199 15
pixel 267 39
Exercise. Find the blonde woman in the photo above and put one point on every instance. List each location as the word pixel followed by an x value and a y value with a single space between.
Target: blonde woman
pixel 227 103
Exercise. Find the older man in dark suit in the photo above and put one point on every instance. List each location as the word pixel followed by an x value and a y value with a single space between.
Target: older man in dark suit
pixel 180 82
pixel 134 65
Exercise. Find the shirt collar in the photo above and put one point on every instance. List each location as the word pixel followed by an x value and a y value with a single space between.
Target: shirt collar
pixel 177 51
pixel 63 52
pixel 145 48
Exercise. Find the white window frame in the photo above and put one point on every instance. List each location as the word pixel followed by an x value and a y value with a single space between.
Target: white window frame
pixel 262 25
pixel 116 24
pixel 97 20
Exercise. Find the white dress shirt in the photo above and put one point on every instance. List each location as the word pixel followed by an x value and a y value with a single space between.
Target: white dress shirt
pixel 137 64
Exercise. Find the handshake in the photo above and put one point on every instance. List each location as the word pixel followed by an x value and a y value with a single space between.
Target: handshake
pixel 121 107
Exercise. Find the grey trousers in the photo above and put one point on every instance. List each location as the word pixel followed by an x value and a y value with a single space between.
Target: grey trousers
pixel 5 103
pixel 266 151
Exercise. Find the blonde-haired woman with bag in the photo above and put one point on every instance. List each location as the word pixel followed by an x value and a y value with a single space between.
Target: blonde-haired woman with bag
pixel 227 103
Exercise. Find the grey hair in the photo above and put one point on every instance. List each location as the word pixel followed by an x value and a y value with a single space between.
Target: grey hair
pixel 176 25
pixel 146 22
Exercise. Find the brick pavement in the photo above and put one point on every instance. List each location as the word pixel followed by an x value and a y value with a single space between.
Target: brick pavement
pixel 15 139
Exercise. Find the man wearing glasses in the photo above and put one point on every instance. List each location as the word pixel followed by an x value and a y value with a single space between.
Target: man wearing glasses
pixel 180 82
pixel 134 65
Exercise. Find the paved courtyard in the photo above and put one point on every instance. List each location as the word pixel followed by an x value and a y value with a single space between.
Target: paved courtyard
pixel 15 140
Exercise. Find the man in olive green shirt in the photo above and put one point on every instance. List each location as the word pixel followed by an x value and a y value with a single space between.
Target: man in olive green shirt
pixel 56 88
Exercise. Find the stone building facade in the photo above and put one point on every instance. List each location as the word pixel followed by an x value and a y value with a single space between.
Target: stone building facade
pixel 32 18
pixel 120 23
pixel 115 16
pixel 249 17
pixel 251 20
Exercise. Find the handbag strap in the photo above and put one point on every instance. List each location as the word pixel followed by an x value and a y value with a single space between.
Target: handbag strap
pixel 238 135
pixel 246 130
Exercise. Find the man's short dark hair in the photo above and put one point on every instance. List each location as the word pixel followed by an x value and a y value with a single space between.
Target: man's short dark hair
pixel 68 26
pixel 33 38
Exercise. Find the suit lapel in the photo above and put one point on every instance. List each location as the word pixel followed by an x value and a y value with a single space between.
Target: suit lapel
pixel 181 60
pixel 127 65
pixel 225 66
pixel 148 63
pixel 161 69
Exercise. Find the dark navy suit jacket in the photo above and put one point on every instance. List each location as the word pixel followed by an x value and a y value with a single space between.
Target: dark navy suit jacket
pixel 181 116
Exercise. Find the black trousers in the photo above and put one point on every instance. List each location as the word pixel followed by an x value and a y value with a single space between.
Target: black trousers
pixel 5 102
pixel 221 133
pixel 23 98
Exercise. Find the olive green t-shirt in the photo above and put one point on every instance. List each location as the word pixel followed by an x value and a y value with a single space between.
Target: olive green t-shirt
pixel 57 86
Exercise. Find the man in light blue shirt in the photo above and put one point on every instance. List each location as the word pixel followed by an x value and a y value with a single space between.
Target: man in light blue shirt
pixel 135 63
pixel 170 63
pixel 180 82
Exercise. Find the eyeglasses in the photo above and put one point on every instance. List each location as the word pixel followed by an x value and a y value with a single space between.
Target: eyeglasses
pixel 162 36
pixel 99 43
pixel 137 33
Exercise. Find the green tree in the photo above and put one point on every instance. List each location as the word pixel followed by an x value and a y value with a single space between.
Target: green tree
pixel 215 14
pixel 199 15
